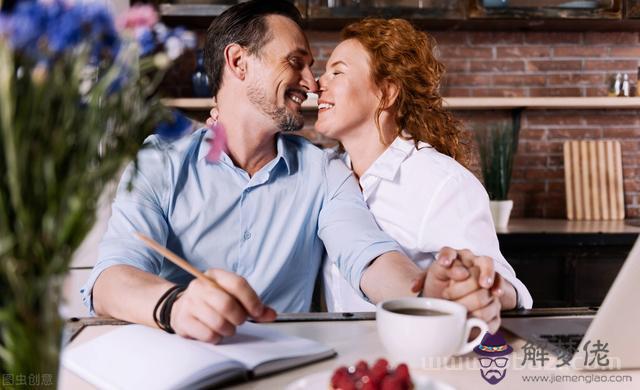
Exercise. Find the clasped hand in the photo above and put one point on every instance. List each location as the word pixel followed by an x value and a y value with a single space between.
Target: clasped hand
pixel 470 280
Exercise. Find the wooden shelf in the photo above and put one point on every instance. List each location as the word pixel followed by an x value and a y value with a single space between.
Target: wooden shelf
pixel 199 16
pixel 192 10
pixel 545 103
pixel 466 103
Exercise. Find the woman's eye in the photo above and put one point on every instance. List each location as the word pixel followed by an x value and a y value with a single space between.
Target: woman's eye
pixel 335 73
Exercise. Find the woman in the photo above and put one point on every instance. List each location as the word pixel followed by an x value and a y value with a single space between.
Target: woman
pixel 379 97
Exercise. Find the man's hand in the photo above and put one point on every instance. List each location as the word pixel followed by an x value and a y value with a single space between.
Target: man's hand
pixel 206 313
pixel 438 277
pixel 446 268
pixel 470 280
pixel 485 277
pixel 480 302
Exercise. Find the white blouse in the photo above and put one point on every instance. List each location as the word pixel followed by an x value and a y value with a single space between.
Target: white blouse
pixel 424 200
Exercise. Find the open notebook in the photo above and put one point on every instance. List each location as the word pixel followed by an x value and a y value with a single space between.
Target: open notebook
pixel 139 357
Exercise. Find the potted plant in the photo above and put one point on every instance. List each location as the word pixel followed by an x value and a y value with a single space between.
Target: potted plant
pixel 497 145
pixel 77 99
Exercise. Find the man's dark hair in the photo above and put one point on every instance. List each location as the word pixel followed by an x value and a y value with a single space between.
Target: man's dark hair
pixel 246 25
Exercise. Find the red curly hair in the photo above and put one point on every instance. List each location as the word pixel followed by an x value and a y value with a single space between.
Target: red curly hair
pixel 403 56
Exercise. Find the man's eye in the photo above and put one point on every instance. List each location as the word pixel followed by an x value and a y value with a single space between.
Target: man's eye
pixel 296 63
pixel 335 73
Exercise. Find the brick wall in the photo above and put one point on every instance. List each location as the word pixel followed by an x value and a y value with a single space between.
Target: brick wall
pixel 481 64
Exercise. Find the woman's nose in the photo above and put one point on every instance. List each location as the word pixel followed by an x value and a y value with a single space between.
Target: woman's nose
pixel 322 86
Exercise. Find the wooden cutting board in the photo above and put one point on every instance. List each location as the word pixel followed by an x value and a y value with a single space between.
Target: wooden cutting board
pixel 593 180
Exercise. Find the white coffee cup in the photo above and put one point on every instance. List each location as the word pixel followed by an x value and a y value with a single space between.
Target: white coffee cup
pixel 411 338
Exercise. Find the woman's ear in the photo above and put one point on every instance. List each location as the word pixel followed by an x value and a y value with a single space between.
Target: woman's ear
pixel 236 60
pixel 390 92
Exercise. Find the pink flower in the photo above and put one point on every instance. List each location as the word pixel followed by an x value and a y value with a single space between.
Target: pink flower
pixel 139 15
pixel 218 143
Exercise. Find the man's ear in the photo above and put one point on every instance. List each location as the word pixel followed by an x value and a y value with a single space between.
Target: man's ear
pixel 390 91
pixel 235 57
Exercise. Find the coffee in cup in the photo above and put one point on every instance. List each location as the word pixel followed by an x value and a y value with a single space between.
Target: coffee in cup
pixel 414 329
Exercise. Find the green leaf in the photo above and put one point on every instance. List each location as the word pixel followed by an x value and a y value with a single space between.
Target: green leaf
pixel 6 244
pixel 496 145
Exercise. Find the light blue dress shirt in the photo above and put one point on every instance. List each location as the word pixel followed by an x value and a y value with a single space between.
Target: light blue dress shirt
pixel 269 228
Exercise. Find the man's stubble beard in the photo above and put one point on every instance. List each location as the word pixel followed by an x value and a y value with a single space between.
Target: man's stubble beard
pixel 286 120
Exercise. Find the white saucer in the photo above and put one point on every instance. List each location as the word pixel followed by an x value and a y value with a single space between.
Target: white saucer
pixel 320 381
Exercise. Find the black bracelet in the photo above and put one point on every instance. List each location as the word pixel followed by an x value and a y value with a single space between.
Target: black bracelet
pixel 165 311
pixel 159 320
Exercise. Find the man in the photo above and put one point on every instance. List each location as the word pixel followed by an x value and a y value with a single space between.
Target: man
pixel 259 219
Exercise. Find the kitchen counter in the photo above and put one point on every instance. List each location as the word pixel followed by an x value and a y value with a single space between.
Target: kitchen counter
pixel 563 226
pixel 567 263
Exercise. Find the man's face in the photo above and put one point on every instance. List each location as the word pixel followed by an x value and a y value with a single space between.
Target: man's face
pixel 280 75
pixel 493 370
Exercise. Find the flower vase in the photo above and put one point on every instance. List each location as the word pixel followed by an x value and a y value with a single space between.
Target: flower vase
pixel 200 80
pixel 500 212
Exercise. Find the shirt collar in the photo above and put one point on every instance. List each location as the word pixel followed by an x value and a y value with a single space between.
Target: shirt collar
pixel 284 151
pixel 386 166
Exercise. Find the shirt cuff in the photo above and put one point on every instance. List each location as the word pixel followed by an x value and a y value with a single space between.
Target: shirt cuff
pixel 87 290
pixel 365 259
pixel 524 299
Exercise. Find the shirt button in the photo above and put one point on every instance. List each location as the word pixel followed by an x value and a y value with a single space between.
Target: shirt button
pixel 247 235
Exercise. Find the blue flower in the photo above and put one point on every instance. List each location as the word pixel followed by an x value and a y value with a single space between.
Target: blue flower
pixel 65 33
pixel 117 84
pixel 43 30
pixel 174 128
pixel 162 32
pixel 147 41
pixel 26 25
pixel 4 25
pixel 102 31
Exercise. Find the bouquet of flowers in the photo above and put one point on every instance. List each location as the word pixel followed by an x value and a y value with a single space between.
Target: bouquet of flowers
pixel 77 100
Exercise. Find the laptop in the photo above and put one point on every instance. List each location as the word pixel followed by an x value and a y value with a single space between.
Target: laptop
pixel 615 326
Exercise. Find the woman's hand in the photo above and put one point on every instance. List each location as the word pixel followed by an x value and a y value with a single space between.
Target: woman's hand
pixel 213 115
pixel 451 264
pixel 470 280
pixel 480 302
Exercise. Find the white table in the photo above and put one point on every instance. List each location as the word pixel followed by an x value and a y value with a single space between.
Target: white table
pixel 356 340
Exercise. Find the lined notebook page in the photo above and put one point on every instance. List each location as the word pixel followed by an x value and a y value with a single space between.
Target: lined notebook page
pixel 136 357
pixel 256 344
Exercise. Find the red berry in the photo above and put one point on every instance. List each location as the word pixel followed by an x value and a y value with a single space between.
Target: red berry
pixel 391 383
pixel 368 386
pixel 362 366
pixel 402 372
pixel 377 376
pixel 381 363
pixel 345 384
pixel 339 374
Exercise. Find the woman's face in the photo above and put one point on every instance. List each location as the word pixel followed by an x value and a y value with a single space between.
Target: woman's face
pixel 348 98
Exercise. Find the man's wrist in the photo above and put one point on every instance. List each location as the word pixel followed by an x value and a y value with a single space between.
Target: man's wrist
pixel 172 312
pixel 163 308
